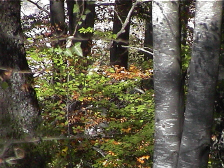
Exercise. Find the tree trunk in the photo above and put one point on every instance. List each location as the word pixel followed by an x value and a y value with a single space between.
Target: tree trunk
pixel 86 11
pixel 148 42
pixel 18 103
pixel 195 143
pixel 118 54
pixel 167 83
pixel 86 44
pixel 71 16
pixel 57 15
pixel 19 110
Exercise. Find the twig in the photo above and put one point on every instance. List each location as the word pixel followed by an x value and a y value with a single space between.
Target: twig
pixel 127 20
pixel 100 151
pixel 115 12
pixel 80 16
pixel 40 139
pixel 39 7
pixel 140 49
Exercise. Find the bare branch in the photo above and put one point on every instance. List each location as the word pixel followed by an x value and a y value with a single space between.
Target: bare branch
pixel 140 49
pixel 100 151
pixel 82 6
pixel 127 20
pixel 38 6
pixel 115 12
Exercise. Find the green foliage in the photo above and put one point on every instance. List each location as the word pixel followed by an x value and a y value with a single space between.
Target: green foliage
pixel 4 85
pixel 87 30
pixel 186 56
pixel 113 120
pixel 76 8
pixel 111 124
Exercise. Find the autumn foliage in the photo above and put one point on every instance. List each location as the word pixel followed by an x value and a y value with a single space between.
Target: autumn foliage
pixel 105 111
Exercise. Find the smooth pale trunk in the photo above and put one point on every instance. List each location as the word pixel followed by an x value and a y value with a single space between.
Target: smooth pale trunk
pixel 195 143
pixel 167 83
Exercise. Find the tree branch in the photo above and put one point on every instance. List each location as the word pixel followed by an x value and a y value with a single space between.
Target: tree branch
pixel 140 49
pixel 38 6
pixel 127 20
pixel 115 12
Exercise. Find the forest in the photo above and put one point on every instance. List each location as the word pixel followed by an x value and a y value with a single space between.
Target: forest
pixel 111 83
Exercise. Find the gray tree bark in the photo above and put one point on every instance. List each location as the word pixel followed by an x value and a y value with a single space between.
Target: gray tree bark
pixel 167 83
pixel 19 111
pixel 195 142
pixel 18 104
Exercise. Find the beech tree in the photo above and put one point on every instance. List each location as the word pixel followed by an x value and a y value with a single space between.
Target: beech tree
pixel 196 136
pixel 99 119
pixel 184 140
pixel 57 15
pixel 167 82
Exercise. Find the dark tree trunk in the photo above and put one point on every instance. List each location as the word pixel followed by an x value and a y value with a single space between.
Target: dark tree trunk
pixel 17 98
pixel 196 137
pixel 19 111
pixel 86 44
pixel 119 54
pixel 148 43
pixel 86 9
pixel 71 16
pixel 57 15
pixel 167 83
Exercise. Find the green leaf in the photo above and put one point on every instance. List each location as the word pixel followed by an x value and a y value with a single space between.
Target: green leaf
pixel 76 8
pixel 83 17
pixel 77 49
pixel 87 11
pixel 4 85
pixel 114 36
pixel 90 30
pixel 81 98
pixel 68 52
pixel 62 112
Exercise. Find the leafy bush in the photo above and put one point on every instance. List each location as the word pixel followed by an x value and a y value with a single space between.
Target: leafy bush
pixel 101 116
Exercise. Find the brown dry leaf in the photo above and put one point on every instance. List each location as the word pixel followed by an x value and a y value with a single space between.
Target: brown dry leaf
pixel 25 87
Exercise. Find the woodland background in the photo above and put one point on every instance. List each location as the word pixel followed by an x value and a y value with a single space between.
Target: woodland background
pixel 91 67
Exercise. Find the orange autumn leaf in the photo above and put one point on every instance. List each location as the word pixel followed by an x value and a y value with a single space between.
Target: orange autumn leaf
pixel 111 153
pixel 126 130
pixel 141 159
